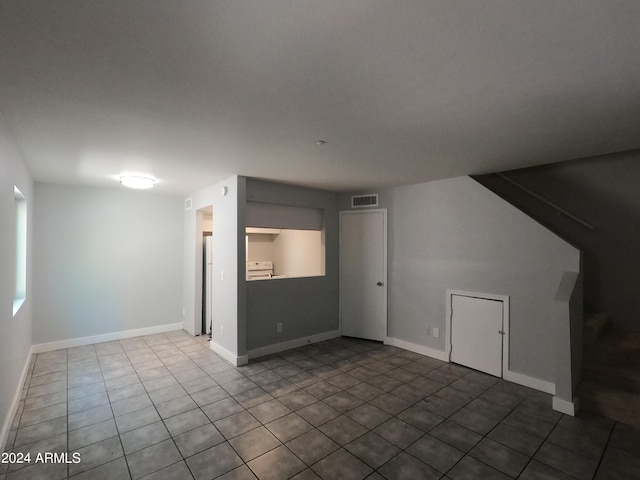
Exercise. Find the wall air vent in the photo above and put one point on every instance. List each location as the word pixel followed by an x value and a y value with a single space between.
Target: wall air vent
pixel 188 203
pixel 364 200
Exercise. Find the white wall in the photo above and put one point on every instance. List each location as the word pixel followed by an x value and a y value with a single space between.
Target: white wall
pixel 261 247
pixel 15 331
pixel 298 253
pixel 106 260
pixel 456 234
pixel 207 223
pixel 295 253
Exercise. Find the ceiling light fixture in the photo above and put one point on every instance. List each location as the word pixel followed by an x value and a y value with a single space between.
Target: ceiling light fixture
pixel 320 142
pixel 137 181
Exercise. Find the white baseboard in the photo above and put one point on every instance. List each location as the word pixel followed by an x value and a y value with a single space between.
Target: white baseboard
pixel 6 424
pixel 106 337
pixel 531 382
pixel 565 406
pixel 421 349
pixel 288 345
pixel 232 358
pixel 519 378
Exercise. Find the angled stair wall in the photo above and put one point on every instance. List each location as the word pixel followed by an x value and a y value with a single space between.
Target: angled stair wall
pixel 594 204
pixel 602 194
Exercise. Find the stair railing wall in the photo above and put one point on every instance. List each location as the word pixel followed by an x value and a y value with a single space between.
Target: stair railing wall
pixel 557 208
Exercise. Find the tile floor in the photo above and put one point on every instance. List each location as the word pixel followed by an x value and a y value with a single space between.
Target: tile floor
pixel 166 407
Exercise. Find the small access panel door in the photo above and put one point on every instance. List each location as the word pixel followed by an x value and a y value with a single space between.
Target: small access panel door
pixel 477 333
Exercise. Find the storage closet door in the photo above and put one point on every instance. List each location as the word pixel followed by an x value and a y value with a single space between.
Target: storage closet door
pixel 477 333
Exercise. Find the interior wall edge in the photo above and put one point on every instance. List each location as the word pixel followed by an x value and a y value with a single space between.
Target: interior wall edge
pixel 564 406
pixel 531 382
pixel 295 343
pixel 415 348
pixel 105 337
pixel 8 420
pixel 232 358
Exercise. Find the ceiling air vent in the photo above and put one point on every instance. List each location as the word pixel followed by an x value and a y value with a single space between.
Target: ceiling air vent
pixel 364 200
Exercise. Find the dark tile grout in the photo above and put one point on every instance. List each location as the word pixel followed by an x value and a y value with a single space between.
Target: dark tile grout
pixel 292 356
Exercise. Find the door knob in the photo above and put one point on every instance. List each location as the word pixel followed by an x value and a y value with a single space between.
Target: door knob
pixel 379 284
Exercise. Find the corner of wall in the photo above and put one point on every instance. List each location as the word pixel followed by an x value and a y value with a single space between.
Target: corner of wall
pixel 564 406
pixel 16 338
pixel 224 198
pixel 241 323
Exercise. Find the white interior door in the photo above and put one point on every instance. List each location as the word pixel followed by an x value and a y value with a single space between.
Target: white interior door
pixel 477 333
pixel 363 274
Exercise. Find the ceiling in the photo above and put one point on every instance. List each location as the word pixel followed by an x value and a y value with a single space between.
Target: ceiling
pixel 194 91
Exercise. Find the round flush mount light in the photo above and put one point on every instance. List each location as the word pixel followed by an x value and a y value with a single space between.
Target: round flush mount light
pixel 320 142
pixel 137 181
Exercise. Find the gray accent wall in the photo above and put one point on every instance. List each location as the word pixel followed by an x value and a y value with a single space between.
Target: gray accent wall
pixel 456 234
pixel 105 260
pixel 305 306
pixel 15 330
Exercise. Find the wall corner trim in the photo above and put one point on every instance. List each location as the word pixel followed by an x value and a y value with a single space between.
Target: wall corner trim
pixel 565 406
pixel 6 424
pixel 531 382
pixel 298 342
pixel 106 337
pixel 519 378
pixel 232 358
pixel 413 347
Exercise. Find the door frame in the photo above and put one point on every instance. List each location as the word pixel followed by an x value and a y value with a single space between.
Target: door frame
pixel 505 321
pixel 385 243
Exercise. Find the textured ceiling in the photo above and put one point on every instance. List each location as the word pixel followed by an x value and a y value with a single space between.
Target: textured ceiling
pixel 402 92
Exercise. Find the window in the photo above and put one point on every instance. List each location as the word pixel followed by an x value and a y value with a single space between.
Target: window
pixel 284 241
pixel 20 292
pixel 291 253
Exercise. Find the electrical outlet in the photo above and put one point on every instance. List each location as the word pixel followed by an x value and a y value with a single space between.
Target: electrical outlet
pixel 221 329
pixel 221 274
pixel 436 332
pixel 279 328
pixel 428 330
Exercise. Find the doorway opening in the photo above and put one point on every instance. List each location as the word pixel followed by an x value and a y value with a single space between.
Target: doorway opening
pixel 205 238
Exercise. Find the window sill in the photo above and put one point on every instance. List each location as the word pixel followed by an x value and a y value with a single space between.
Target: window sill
pixel 17 303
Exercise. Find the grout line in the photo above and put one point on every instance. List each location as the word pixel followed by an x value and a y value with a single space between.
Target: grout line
pixel 67 429
pixel 113 416
pixel 291 358
pixel 604 450
pixel 532 457
pixel 541 443
pixel 159 416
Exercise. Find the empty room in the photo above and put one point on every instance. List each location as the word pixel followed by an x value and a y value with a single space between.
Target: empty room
pixel 274 240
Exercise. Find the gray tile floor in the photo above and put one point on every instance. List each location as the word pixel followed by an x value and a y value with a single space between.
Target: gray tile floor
pixel 166 407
